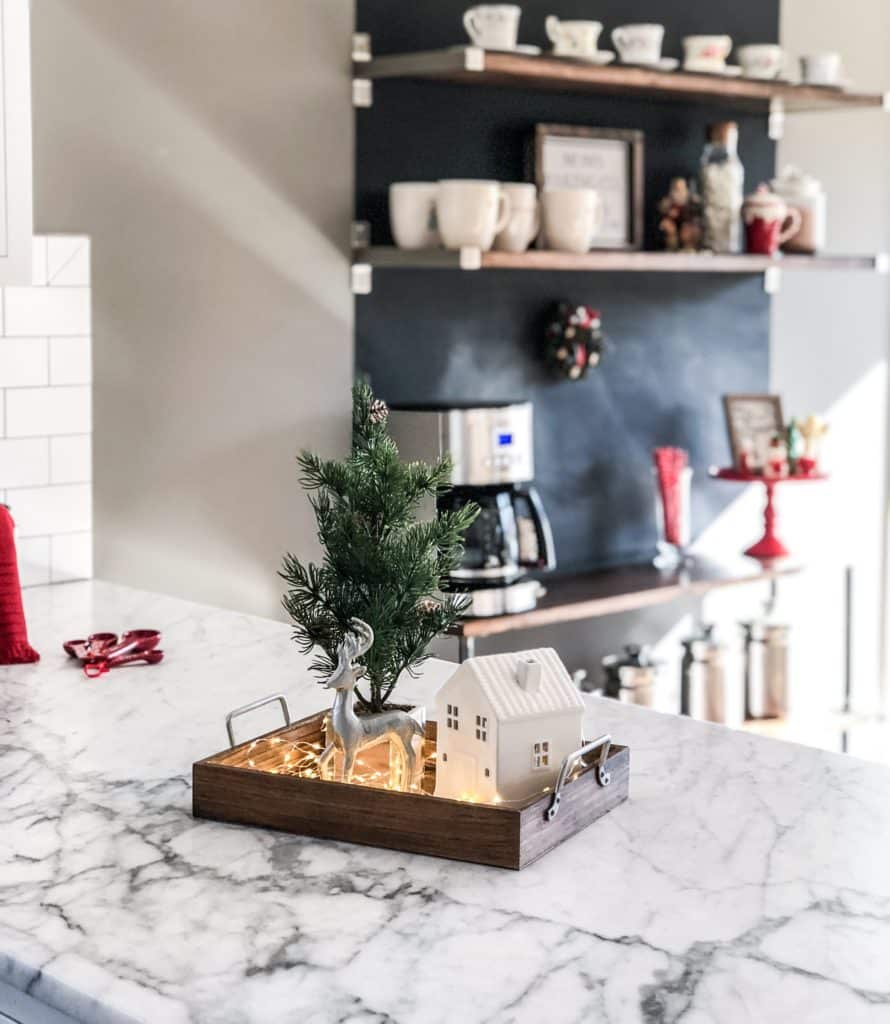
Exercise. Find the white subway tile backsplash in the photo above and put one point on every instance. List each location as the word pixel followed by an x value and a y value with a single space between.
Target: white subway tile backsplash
pixel 49 510
pixel 71 557
pixel 71 459
pixel 24 463
pixel 38 261
pixel 34 560
pixel 70 361
pixel 47 311
pixel 34 411
pixel 68 261
pixel 46 412
pixel 24 362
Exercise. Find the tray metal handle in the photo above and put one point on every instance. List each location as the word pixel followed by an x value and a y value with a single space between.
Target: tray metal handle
pixel 603 777
pixel 261 703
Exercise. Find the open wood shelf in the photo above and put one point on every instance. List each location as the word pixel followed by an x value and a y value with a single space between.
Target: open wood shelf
pixel 610 591
pixel 388 257
pixel 470 65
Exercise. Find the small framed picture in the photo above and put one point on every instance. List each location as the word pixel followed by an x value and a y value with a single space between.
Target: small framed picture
pixel 606 159
pixel 751 423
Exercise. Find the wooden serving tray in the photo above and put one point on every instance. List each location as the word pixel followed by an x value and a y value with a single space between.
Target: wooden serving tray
pixel 226 788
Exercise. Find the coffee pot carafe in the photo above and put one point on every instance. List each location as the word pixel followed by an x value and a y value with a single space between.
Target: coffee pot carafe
pixel 510 536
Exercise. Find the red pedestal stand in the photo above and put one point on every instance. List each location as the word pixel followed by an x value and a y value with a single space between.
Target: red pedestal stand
pixel 769 547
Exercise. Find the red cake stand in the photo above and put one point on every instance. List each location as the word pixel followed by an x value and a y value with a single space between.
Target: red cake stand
pixel 769 546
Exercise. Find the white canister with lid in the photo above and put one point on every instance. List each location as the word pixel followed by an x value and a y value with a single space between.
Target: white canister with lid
pixel 805 194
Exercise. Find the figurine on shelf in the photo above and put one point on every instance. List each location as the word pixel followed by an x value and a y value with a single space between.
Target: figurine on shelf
pixel 813 430
pixel 573 340
pixel 795 447
pixel 777 457
pixel 680 217
pixel 348 732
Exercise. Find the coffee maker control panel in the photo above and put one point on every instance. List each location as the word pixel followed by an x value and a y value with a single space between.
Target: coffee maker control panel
pixel 488 445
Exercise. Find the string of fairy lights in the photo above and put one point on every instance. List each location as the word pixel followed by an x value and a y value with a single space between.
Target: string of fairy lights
pixel 302 759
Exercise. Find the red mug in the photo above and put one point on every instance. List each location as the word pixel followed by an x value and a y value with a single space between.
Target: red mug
pixel 769 222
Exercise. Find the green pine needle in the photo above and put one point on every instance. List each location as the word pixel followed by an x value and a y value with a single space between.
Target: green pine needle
pixel 383 562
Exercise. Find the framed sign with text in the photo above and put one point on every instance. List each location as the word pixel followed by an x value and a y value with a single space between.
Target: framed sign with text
pixel 608 160
pixel 751 423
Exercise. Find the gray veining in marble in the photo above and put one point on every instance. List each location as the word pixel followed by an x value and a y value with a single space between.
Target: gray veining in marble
pixel 746 880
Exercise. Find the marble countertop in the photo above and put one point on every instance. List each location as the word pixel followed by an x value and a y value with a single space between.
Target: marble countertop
pixel 746 880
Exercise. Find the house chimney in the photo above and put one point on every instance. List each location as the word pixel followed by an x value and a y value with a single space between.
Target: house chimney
pixel 528 675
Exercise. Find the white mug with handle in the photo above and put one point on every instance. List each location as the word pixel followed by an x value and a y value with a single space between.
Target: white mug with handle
pixel 573 38
pixel 493 26
pixel 572 217
pixel 471 212
pixel 525 218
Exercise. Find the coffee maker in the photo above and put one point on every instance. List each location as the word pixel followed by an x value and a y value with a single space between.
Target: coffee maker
pixel 492 463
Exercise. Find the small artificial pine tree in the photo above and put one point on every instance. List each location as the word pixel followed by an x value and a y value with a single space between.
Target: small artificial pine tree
pixel 381 563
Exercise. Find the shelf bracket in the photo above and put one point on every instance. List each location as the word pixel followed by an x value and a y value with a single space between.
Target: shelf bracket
pixel 882 263
pixel 362 278
pixel 474 58
pixel 362 93
pixel 885 102
pixel 470 258
pixel 772 280
pixel 360 235
pixel 361 47
pixel 776 118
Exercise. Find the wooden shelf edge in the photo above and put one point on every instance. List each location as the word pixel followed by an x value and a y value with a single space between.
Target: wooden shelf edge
pixel 471 65
pixel 391 258
pixel 613 604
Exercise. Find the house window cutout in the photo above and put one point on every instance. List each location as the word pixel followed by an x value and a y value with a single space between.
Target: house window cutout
pixel 482 728
pixel 452 721
pixel 541 754
pixel 487 773
pixel 444 757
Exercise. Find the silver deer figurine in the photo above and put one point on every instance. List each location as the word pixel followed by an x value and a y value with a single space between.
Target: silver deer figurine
pixel 353 733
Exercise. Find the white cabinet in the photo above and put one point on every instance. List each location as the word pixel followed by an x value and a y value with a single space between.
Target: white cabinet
pixel 16 204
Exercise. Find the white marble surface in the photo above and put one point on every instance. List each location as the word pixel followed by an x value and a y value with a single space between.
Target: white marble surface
pixel 745 881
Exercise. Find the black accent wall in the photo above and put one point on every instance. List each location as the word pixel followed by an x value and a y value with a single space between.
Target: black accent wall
pixel 677 342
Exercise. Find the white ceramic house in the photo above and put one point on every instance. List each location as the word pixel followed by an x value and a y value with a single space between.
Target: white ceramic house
pixel 505 723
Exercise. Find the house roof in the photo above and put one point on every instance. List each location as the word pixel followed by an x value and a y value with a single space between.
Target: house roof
pixel 497 676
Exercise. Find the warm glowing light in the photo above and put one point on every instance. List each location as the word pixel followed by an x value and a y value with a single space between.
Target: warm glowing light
pixel 301 759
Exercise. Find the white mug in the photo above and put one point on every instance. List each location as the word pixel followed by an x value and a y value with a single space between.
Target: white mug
pixel 573 38
pixel 762 60
pixel 525 218
pixel 821 69
pixel 572 216
pixel 639 44
pixel 471 212
pixel 493 26
pixel 706 53
pixel 412 214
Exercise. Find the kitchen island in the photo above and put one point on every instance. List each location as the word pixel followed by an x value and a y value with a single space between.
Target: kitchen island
pixel 744 880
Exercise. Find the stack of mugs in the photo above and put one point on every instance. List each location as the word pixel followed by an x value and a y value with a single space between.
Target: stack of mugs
pixel 463 213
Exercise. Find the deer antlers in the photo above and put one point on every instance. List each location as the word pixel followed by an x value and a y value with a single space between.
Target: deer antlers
pixel 356 642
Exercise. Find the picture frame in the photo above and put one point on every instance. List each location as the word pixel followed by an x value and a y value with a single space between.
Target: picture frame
pixel 610 160
pixel 752 419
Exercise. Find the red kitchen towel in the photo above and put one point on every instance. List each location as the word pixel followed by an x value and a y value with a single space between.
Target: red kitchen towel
pixel 14 646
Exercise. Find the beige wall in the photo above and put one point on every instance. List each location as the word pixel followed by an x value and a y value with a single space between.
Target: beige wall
pixel 829 350
pixel 207 148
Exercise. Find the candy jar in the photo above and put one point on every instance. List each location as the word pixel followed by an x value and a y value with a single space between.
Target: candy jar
pixel 804 193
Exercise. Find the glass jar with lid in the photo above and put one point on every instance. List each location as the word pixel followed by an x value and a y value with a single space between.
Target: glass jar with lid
pixel 722 188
